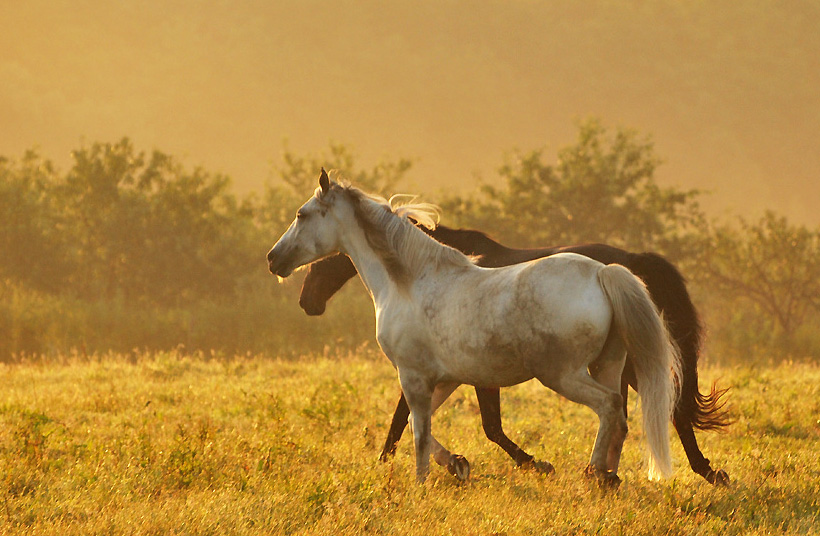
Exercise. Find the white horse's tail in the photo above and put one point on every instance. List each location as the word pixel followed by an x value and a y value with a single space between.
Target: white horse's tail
pixel 654 355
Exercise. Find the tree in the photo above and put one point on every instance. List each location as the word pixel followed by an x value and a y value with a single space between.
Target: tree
pixel 32 249
pixel 602 189
pixel 298 176
pixel 771 263
pixel 145 228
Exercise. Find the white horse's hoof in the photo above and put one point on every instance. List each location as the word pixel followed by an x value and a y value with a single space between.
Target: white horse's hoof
pixel 459 467
pixel 607 480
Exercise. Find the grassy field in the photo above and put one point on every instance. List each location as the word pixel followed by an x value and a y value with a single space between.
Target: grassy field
pixel 170 443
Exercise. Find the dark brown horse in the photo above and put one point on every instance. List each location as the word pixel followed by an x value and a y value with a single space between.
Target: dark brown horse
pixel 666 286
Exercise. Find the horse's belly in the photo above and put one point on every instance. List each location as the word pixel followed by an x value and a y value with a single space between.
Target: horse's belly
pixel 501 360
pixel 508 345
pixel 500 370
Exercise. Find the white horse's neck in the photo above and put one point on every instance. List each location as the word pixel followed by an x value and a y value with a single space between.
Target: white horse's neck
pixel 389 251
pixel 372 270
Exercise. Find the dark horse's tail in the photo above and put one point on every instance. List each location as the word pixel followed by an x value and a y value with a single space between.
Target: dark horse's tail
pixel 668 289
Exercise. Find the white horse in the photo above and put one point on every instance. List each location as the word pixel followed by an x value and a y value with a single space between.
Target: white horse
pixel 442 321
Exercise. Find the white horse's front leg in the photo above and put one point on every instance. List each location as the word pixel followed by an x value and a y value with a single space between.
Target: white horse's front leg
pixel 456 464
pixel 419 396
pixel 442 391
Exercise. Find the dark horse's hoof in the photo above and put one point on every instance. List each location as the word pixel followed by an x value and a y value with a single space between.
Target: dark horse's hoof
pixel 718 478
pixel 544 468
pixel 459 467
pixel 388 451
pixel 607 480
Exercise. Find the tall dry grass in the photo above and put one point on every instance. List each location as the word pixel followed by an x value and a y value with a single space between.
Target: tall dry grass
pixel 179 443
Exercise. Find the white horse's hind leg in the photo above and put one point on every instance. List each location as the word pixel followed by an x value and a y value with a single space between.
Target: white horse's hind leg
pixel 579 387
pixel 607 370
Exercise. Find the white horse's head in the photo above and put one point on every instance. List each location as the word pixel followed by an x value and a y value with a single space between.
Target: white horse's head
pixel 311 235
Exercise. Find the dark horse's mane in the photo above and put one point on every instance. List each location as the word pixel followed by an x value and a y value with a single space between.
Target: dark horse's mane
pixel 665 283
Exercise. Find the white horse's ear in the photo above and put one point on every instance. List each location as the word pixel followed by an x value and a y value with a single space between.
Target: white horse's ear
pixel 324 181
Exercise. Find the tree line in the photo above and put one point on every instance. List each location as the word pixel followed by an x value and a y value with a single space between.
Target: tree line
pixel 129 249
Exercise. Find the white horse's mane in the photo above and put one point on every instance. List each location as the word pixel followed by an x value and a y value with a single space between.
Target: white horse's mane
pixel 391 231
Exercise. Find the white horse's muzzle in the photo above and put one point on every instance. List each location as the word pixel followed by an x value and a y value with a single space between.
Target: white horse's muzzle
pixel 279 262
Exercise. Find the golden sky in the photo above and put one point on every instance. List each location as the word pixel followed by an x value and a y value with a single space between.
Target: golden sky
pixel 727 90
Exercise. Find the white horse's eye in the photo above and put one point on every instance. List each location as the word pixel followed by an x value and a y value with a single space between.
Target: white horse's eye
pixel 301 215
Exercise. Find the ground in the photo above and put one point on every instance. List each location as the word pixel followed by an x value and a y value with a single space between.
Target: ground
pixel 172 443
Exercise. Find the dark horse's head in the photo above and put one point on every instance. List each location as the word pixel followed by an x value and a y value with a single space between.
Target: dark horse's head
pixel 324 278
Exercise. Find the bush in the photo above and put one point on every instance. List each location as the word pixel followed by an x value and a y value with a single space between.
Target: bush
pixel 129 250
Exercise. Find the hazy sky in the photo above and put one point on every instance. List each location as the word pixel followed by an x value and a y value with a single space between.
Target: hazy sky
pixel 728 90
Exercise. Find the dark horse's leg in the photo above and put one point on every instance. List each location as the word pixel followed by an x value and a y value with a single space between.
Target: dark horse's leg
pixel 693 410
pixel 397 427
pixel 684 427
pixel 489 403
